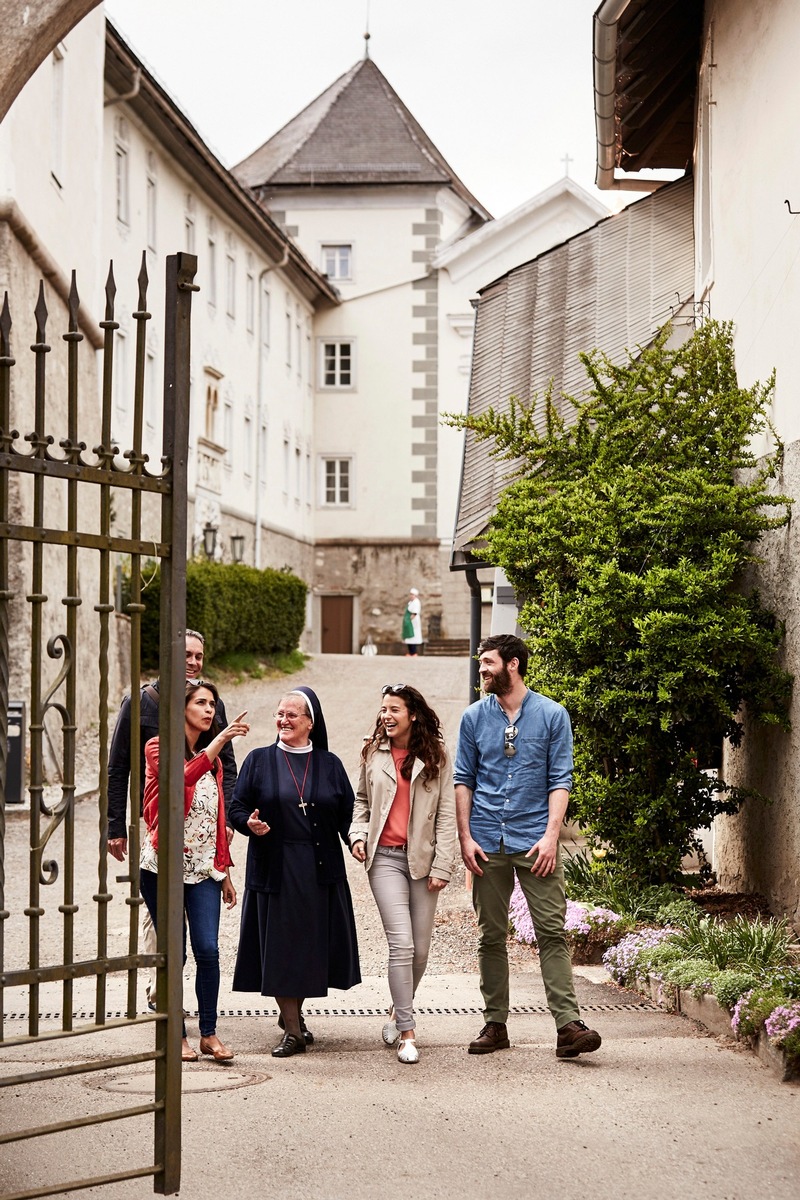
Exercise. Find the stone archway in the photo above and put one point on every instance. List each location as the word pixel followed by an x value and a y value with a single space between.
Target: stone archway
pixel 31 28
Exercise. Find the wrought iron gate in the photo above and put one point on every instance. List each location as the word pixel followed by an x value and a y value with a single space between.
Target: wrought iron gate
pixel 29 481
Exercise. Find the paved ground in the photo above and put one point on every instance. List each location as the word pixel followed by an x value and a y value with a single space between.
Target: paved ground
pixel 660 1110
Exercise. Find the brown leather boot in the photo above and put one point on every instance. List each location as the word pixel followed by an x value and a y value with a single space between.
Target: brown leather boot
pixel 576 1038
pixel 493 1036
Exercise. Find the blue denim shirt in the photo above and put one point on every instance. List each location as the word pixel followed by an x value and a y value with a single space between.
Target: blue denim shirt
pixel 510 795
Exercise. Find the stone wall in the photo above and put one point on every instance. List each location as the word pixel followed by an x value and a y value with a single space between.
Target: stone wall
pixel 758 849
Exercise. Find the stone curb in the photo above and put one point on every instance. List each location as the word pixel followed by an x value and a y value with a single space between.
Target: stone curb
pixel 709 1013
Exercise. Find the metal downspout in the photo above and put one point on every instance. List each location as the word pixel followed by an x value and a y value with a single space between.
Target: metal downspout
pixel 260 401
pixel 474 631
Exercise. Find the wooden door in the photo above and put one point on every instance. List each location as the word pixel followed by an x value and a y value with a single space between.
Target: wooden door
pixel 337 624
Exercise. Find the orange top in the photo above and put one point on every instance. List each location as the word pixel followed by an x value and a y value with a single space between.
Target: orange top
pixel 395 831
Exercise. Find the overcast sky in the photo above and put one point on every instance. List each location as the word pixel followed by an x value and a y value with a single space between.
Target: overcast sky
pixel 502 87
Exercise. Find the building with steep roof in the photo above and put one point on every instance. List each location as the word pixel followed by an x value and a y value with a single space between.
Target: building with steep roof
pixel 367 196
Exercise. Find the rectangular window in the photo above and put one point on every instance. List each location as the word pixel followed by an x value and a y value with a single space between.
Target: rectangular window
pixel 298 344
pixel 265 317
pixel 212 405
pixel 122 169
pixel 288 332
pixel 230 281
pixel 285 469
pixel 212 266
pixel 151 213
pixel 298 462
pixel 337 260
pixel 336 364
pixel 248 448
pixel 57 117
pixel 336 482
pixel 227 432
pixel 151 391
pixel 120 372
pixel 263 457
pixel 188 226
pixel 250 302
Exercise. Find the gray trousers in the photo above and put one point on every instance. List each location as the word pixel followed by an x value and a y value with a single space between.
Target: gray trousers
pixel 407 911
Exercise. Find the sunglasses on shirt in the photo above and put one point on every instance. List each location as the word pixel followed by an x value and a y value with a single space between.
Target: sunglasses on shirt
pixel 394 688
pixel 509 735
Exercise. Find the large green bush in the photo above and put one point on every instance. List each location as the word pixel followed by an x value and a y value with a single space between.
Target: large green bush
pixel 235 607
pixel 626 535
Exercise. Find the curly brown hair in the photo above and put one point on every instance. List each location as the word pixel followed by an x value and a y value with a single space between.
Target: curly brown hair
pixel 425 743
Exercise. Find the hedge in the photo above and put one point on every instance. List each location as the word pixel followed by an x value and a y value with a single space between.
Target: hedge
pixel 234 606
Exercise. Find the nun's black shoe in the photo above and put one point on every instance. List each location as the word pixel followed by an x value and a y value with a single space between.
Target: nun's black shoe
pixel 308 1036
pixel 289 1045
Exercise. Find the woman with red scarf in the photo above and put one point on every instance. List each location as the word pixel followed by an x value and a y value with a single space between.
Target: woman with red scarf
pixel 206 857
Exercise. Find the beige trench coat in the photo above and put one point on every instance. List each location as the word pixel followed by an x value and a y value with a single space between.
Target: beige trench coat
pixel 432 836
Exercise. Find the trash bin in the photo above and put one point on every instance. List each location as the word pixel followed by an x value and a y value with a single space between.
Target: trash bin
pixel 15 768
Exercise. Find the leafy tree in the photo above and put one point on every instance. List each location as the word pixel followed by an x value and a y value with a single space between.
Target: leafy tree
pixel 626 537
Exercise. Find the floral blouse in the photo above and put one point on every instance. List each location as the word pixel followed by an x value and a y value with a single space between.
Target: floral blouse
pixel 199 835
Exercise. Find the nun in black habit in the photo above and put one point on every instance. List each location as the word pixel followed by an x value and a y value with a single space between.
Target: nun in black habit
pixel 294 803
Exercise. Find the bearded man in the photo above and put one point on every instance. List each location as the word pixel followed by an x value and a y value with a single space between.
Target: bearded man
pixel 513 774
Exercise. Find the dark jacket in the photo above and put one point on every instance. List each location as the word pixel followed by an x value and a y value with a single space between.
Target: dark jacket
pixel 119 759
pixel 330 811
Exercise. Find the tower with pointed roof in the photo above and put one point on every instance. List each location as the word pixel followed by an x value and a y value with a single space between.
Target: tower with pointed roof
pixel 370 199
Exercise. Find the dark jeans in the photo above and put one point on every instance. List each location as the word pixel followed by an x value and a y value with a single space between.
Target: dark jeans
pixel 201 904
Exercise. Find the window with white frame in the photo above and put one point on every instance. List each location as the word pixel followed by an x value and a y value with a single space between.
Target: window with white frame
pixel 298 468
pixel 286 455
pixel 247 449
pixel 230 276
pixel 337 260
pixel 298 336
pixel 152 200
pixel 336 363
pixel 212 262
pixel 57 117
pixel 265 316
pixel 188 223
pixel 262 469
pixel 120 373
pixel 212 404
pixel 122 170
pixel 250 296
pixel 308 479
pixel 151 409
pixel 336 482
pixel 288 331
pixel 227 433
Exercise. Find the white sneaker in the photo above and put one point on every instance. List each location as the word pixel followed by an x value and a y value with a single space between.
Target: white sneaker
pixel 407 1051
pixel 390 1033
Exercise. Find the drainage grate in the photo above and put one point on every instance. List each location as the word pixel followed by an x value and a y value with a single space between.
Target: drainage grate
pixel 520 1010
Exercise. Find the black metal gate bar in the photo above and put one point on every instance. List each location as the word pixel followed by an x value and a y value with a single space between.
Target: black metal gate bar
pixel 170 484
pixel 36 598
pixel 72 600
pixel 135 609
pixel 181 270
pixel 105 453
pixel 6 363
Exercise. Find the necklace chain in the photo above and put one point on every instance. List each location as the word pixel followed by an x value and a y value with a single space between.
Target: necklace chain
pixel 300 787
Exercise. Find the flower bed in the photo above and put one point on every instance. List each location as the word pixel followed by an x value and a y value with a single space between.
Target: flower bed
pixel 590 928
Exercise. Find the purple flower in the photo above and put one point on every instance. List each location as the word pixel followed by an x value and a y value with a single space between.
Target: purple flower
pixel 739 1010
pixel 782 1021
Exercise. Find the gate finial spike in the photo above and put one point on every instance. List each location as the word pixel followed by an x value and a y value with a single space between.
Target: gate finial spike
pixel 74 304
pixel 5 329
pixel 40 312
pixel 111 291
pixel 143 282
